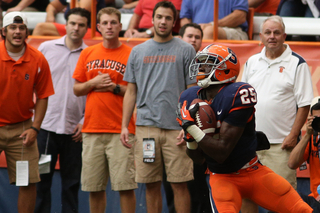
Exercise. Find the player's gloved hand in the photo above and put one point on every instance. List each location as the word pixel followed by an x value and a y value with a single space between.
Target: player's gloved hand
pixel 186 117
pixel 191 143
pixel 188 138
pixel 186 120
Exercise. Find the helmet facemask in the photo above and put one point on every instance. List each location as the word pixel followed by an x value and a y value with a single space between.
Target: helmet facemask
pixel 207 67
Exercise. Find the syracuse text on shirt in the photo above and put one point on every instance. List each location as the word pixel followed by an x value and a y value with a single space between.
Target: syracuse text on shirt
pixel 106 64
pixel 159 59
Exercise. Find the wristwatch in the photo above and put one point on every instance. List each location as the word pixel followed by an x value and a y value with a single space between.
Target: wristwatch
pixel 116 90
pixel 149 32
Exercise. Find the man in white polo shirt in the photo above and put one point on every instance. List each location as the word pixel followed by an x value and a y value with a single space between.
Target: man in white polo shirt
pixel 282 80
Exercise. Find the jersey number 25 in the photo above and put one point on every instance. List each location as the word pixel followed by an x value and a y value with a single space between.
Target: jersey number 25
pixel 248 96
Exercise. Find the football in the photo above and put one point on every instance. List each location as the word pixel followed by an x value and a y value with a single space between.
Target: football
pixel 205 117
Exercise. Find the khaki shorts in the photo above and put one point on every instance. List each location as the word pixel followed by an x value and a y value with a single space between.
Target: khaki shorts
pixel 179 167
pixel 277 160
pixel 103 155
pixel 235 33
pixel 11 144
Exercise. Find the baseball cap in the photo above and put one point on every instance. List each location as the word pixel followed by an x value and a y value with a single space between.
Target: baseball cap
pixel 9 18
pixel 315 102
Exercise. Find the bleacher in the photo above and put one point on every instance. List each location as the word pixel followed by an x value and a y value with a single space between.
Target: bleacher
pixel 38 17
pixel 294 26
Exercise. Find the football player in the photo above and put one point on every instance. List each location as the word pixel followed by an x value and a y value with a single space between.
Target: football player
pixel 235 171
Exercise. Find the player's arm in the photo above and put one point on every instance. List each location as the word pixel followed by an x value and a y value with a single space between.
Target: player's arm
pixel 193 134
pixel 193 149
pixel 291 140
pixel 218 147
pixel 297 155
pixel 196 155
pixel 232 127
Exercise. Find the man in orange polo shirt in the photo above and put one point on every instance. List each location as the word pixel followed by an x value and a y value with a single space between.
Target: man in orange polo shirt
pixel 24 72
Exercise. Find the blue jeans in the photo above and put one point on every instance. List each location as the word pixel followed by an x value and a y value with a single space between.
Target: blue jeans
pixel 294 8
pixel 70 171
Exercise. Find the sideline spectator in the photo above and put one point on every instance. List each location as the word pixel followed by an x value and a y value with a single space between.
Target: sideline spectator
pixel 231 153
pixel 51 28
pixel 307 150
pixel 192 34
pixel 141 22
pixel 264 7
pixel 24 73
pixel 60 131
pixel 282 80
pixel 98 75
pixel 165 64
pixel 232 18
pixel 24 5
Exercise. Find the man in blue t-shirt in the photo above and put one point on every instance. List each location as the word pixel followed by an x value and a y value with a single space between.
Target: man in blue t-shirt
pixel 232 24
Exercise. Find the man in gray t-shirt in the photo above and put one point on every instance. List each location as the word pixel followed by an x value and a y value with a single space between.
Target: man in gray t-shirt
pixel 157 72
